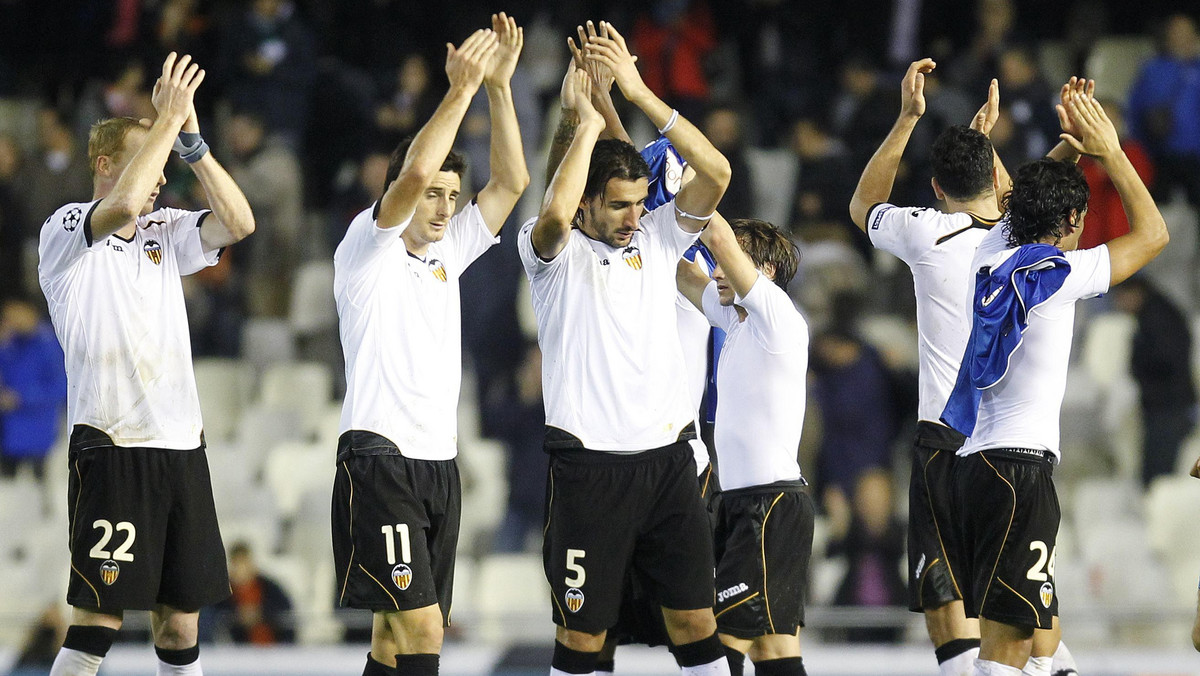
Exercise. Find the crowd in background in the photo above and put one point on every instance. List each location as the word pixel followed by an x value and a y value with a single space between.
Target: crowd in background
pixel 304 101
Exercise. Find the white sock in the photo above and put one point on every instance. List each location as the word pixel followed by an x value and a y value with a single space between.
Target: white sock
pixel 1064 662
pixel 1037 666
pixel 70 662
pixel 718 667
pixel 556 672
pixel 990 668
pixel 192 669
pixel 959 665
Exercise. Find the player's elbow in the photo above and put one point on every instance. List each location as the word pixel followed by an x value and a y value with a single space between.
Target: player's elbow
pixel 858 213
pixel 242 227
pixel 721 171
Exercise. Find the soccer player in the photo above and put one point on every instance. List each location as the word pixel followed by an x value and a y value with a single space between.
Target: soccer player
pixel 397 496
pixel 1009 390
pixel 765 518
pixel 143 529
pixel 938 248
pixel 622 480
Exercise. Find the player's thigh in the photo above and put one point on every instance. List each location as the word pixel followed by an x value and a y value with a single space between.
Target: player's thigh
pixel 933 560
pixel 675 548
pixel 194 570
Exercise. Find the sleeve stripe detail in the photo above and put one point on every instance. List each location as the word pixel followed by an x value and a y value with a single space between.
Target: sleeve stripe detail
pixel 87 223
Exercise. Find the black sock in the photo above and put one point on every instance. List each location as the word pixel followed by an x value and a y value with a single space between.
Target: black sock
pixel 91 640
pixel 606 665
pixel 421 664
pixel 704 651
pixel 178 658
pixel 784 666
pixel 737 661
pixel 573 661
pixel 951 649
pixel 376 668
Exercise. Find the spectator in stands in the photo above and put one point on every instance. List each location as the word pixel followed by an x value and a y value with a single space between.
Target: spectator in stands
pixel 1027 98
pixel 40 646
pixel 1106 217
pixel 521 424
pixel 409 104
pixel 267 56
pixel 672 40
pixel 33 388
pixel 358 194
pixel 1162 366
pixel 723 125
pixel 58 171
pixel 825 181
pixel 123 94
pixel 14 227
pixel 259 611
pixel 269 173
pixel 995 27
pixel 871 537
pixel 1164 106
pixel 861 110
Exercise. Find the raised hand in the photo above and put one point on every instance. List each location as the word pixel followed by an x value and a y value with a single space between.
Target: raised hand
pixel 610 50
pixel 1093 133
pixel 1078 85
pixel 986 118
pixel 577 96
pixel 510 41
pixel 175 88
pixel 466 65
pixel 601 74
pixel 912 88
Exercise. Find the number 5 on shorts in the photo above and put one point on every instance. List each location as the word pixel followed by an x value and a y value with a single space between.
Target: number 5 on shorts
pixel 579 574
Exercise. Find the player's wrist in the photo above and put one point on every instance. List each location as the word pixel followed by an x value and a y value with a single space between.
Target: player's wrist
pixel 190 146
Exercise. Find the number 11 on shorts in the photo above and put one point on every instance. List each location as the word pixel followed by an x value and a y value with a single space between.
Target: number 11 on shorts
pixel 389 541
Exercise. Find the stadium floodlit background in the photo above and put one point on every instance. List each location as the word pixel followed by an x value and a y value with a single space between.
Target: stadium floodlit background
pixel 303 102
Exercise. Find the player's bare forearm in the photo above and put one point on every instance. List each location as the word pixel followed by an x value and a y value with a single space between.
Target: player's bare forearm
pixel 691 282
pixel 722 242
pixel 553 226
pixel 509 176
pixel 563 135
pixel 613 127
pixel 875 184
pixel 1063 152
pixel 139 179
pixel 1003 178
pixel 231 221
pixel 1147 235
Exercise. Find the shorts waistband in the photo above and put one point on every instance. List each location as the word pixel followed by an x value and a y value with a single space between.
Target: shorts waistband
pixel 87 438
pixel 1021 454
pixel 938 436
pixel 559 439
pixel 592 457
pixel 794 486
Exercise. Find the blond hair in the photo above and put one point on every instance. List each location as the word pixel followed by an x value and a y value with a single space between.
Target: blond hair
pixel 107 137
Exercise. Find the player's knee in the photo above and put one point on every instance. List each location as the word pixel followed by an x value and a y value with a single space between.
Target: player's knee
pixel 945 623
pixel 687 626
pixel 774 647
pixel 174 629
pixel 580 641
pixel 420 633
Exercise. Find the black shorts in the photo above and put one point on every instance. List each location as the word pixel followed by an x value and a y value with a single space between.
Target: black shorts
pixel 609 514
pixel 932 557
pixel 763 544
pixel 640 618
pixel 143 527
pixel 395 526
pixel 1008 526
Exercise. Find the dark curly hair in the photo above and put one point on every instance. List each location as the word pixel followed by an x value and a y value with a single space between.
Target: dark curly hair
pixel 613 159
pixel 454 162
pixel 1044 194
pixel 962 162
pixel 764 243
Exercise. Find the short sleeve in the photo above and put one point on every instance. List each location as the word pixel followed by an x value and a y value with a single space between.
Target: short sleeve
pixel 772 317
pixel 662 226
pixel 534 264
pixel 469 237
pixel 1091 273
pixel 894 230
pixel 184 232
pixel 65 237
pixel 721 316
pixel 364 239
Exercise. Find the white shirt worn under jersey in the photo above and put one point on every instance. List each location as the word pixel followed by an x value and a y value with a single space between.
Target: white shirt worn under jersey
pixel 694 331
pixel 1022 411
pixel 761 381
pixel 938 247
pixel 612 367
pixel 401 327
pixel 117 307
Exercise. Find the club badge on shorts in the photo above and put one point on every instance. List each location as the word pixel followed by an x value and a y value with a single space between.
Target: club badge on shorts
pixel 153 251
pixel 402 576
pixel 1047 594
pixel 109 570
pixel 574 598
pixel 633 257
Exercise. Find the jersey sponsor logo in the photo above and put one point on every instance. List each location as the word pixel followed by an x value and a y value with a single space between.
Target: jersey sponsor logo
pixel 109 570
pixel 72 218
pixel 920 567
pixel 1047 594
pixel 633 257
pixel 114 247
pixel 736 589
pixel 574 599
pixel 402 576
pixel 153 251
pixel 438 270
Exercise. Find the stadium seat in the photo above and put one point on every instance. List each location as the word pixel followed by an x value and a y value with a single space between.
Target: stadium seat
pixel 225 387
pixel 1115 62
pixel 510 593
pixel 482 463
pixel 264 427
pixel 304 387
pixel 292 468
pixel 312 305
pixel 774 183
pixel 266 341
pixel 1171 508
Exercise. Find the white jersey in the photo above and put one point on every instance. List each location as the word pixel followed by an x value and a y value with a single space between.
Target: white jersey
pixel 694 333
pixel 1022 411
pixel 612 367
pixel 117 307
pixel 938 248
pixel 761 381
pixel 401 330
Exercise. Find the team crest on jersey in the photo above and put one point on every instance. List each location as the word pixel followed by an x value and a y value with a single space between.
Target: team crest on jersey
pixel 153 251
pixel 402 576
pixel 109 570
pixel 1047 594
pixel 574 598
pixel 438 270
pixel 71 219
pixel 633 257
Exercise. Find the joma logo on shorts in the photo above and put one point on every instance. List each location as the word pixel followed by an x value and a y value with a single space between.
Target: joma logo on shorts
pixel 732 591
